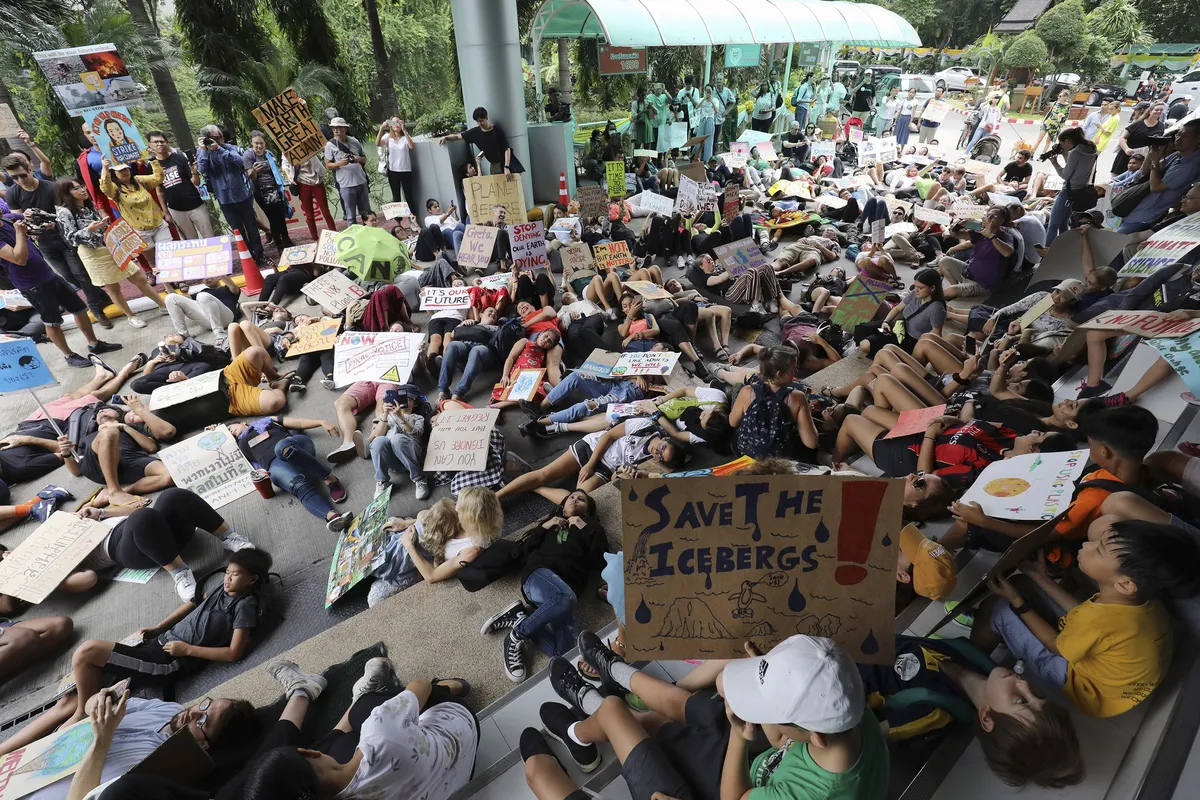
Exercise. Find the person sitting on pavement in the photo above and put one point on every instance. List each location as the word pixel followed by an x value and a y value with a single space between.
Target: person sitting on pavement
pixel 397 441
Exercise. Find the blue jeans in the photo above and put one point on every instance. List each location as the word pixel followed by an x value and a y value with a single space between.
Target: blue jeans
pixel 707 127
pixel 297 470
pixel 356 201
pixel 241 216
pixel 552 624
pixel 574 382
pixel 453 236
pixel 1041 665
pixel 1060 215
pixel 801 116
pixel 617 392
pixel 478 357
pixel 979 133
pixel 396 452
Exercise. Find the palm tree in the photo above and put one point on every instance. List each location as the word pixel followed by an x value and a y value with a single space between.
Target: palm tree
pixel 307 29
pixel 160 70
pixel 255 80
pixel 28 25
pixel 987 49
pixel 219 35
pixel 385 89
pixel 1120 23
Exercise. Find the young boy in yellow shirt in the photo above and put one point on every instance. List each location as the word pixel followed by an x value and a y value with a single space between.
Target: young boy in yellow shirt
pixel 1109 652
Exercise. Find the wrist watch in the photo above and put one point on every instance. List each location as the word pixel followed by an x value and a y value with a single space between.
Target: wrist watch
pixel 1021 609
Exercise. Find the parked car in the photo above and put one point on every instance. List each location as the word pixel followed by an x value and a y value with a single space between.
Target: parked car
pixel 1053 84
pixel 845 67
pixel 957 79
pixel 922 83
pixel 1188 85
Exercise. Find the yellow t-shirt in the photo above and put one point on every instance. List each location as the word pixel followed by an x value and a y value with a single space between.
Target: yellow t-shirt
pixel 1115 654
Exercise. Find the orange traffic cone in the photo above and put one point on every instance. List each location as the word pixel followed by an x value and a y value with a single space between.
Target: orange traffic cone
pixel 563 197
pixel 254 281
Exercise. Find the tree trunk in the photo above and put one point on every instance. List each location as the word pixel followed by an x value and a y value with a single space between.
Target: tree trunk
pixel 383 68
pixel 564 72
pixel 14 144
pixel 168 95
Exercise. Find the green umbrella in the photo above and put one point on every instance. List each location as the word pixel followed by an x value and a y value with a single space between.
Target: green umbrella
pixel 371 254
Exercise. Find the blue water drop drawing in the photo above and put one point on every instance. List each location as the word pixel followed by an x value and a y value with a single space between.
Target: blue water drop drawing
pixel 660 646
pixel 821 533
pixel 708 580
pixel 870 646
pixel 632 494
pixel 642 614
pixel 796 601
pixel 887 540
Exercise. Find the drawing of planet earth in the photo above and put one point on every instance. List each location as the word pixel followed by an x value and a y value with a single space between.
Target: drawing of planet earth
pixel 211 440
pixel 1006 487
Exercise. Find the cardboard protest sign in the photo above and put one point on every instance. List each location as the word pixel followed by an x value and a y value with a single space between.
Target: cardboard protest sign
pixel 860 303
pixel 478 241
pixel 1183 354
pixel 894 203
pixel 315 337
pixel 648 290
pixel 496 281
pixel 35 567
pixel 22 366
pixel 45 761
pixel 116 135
pixel 612 254
pixel 327 249
pixel 524 385
pixel 614 178
pixel 767 150
pixel 193 259
pixel 395 210
pixel 211 465
pixel 1148 324
pixel 1164 248
pixel 708 200
pixel 172 394
pixel 483 192
pixel 1065 254
pixel 729 203
pixel 599 363
pixel 695 171
pixel 459 440
pixel 734 160
pixel 90 77
pixel 713 562
pixel 935 112
pixel 830 201
pixel 359 549
pixel 564 227
pixel 654 362
pixel 1038 308
pixel 287 119
pixel 528 240
pixel 123 242
pixel 577 257
pixel 434 298
pixel 1031 487
pixel 592 202
pixel 377 357
pixel 932 215
pixel 739 256
pixel 298 254
pixel 915 421
pixel 9 126
pixel 333 291
pixel 656 203
pixel 687 196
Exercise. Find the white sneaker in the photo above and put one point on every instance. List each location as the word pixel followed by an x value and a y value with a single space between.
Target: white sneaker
pixel 611 313
pixel 296 680
pixel 234 541
pixel 378 676
pixel 382 486
pixel 423 489
pixel 185 585
pixel 134 322
pixel 327 383
pixel 360 445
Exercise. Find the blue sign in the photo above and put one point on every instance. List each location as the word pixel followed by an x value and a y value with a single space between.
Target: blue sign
pixel 742 55
pixel 22 366
pixel 116 135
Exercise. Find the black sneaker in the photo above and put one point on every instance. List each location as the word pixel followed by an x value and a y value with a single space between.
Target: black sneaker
pixel 77 361
pixel 514 656
pixel 508 618
pixel 568 683
pixel 601 659
pixel 557 718
pixel 103 347
pixel 531 409
pixel 533 743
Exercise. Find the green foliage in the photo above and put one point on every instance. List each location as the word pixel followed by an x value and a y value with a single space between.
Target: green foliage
pixel 1119 22
pixel 255 81
pixel 1064 30
pixel 1026 51
pixel 1170 20
pixel 986 51
pixel 445 119
pixel 1095 65
pixel 219 35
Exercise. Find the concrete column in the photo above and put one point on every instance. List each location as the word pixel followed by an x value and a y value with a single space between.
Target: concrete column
pixel 489 62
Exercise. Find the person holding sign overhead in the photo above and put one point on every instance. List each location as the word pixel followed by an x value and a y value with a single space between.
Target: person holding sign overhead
pixel 491 141
pixel 398 160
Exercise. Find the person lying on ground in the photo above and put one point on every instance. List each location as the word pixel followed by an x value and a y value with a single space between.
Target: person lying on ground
pixel 597 393
pixel 35 449
pixel 39 507
pixel 534 352
pixel 176 359
pixel 118 453
pixel 279 446
pixel 26 642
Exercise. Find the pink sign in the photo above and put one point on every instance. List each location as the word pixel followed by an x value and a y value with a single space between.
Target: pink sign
pixel 915 421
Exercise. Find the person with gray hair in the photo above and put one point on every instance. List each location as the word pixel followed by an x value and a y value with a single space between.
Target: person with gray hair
pixel 223 165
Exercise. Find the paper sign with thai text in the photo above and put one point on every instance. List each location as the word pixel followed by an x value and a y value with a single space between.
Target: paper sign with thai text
pixel 528 241
pixel 315 337
pixel 648 290
pixel 860 302
pixel 654 362
pixel 116 136
pixel 360 548
pixel 459 440
pixel 434 298
pixel 1031 487
pixel 739 256
pixel 484 192
pixel 612 254
pixel 656 203
pixel 287 119
pixel 298 254
pixel 22 366
pixel 915 421
pixel 376 357
pixel 592 202
pixel 172 394
pixel 123 242
pixel 211 465
pixel 35 567
pixel 45 761
pixel 395 210
pixel 1164 248
pixel 9 127
pixel 333 291
pixel 524 385
pixel 933 216
pixel 478 241
pixel 1148 324
pixel 193 259
pixel 713 562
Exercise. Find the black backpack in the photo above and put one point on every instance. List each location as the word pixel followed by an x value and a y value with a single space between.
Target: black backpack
pixel 509 333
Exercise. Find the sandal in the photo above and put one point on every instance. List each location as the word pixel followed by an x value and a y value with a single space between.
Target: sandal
pixel 723 354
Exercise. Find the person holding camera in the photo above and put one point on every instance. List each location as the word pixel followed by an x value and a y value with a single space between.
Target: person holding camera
pixel 398 162
pixel 345 156
pixel 1171 174
pixel 223 166
pixel 1076 174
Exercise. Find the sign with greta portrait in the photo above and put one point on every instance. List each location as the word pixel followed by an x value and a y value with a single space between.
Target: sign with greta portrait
pixel 713 562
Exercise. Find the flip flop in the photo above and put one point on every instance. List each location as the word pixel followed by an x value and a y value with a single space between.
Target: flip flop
pixel 99 362
pixel 139 360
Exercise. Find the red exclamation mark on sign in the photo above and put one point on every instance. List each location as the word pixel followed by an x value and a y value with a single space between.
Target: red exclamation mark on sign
pixel 860 509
